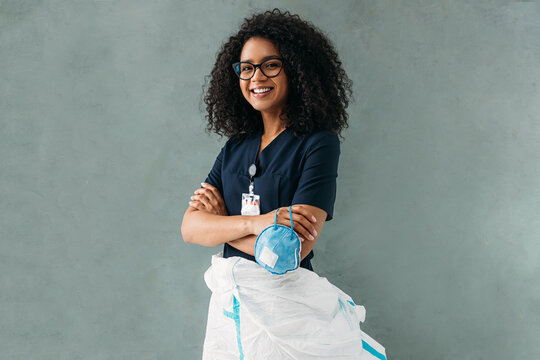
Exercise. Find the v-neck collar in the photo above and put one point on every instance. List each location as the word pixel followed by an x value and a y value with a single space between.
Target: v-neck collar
pixel 258 140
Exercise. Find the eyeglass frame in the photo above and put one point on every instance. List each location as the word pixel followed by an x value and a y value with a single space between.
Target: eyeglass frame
pixel 255 66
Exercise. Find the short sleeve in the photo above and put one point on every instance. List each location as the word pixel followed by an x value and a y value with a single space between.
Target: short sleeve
pixel 214 177
pixel 317 184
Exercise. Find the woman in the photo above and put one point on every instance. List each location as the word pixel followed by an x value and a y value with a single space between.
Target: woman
pixel 279 93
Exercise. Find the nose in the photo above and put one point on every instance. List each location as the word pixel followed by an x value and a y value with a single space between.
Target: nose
pixel 258 75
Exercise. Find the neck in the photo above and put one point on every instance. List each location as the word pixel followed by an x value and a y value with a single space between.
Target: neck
pixel 272 124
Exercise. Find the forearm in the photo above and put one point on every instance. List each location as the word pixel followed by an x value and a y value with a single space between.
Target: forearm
pixel 207 229
pixel 307 246
pixel 245 244
pixel 212 229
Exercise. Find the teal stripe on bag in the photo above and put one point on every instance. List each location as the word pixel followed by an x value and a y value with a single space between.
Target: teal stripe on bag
pixel 235 315
pixel 372 351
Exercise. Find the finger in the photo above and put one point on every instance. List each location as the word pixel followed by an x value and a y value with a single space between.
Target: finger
pixel 302 232
pixel 217 203
pixel 307 225
pixel 197 205
pixel 306 213
pixel 211 197
pixel 300 225
pixel 203 199
pixel 215 192
pixel 215 196
pixel 209 187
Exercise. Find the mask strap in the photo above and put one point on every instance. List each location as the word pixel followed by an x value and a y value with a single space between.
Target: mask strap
pixel 290 215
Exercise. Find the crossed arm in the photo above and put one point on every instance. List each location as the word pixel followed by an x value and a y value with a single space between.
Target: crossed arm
pixel 207 223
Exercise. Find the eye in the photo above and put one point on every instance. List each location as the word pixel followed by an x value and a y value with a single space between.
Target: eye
pixel 272 65
pixel 246 67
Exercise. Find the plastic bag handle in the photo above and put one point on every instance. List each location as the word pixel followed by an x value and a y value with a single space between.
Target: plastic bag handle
pixel 290 215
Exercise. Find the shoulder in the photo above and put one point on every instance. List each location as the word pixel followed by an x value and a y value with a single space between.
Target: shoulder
pixel 318 135
pixel 236 143
pixel 239 140
pixel 322 138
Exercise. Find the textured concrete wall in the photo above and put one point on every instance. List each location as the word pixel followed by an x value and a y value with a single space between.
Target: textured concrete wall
pixel 436 223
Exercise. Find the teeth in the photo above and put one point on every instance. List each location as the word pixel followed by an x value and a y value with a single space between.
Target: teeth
pixel 259 91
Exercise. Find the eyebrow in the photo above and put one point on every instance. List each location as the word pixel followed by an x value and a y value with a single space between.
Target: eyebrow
pixel 263 59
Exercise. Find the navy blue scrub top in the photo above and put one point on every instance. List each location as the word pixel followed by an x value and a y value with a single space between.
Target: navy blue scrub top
pixel 291 170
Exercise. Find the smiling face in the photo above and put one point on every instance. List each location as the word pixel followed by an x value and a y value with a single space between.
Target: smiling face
pixel 271 94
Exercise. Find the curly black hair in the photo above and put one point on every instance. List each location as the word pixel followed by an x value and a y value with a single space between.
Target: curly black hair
pixel 318 87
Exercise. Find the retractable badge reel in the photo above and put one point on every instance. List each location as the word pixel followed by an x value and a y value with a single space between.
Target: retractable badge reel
pixel 250 202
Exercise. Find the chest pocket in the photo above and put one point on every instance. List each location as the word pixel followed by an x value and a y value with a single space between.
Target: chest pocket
pixel 268 187
pixel 285 187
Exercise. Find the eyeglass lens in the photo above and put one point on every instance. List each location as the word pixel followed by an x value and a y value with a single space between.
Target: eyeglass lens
pixel 270 68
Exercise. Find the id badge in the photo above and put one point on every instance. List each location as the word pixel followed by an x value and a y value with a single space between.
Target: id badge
pixel 250 204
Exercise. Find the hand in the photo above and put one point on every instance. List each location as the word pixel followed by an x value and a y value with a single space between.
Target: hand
pixel 303 221
pixel 208 199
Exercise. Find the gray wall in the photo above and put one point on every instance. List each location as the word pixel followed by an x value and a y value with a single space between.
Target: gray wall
pixel 102 142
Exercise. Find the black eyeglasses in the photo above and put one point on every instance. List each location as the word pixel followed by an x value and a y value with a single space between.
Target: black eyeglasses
pixel 270 68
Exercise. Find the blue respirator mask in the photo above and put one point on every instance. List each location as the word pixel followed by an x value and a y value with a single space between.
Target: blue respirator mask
pixel 277 248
